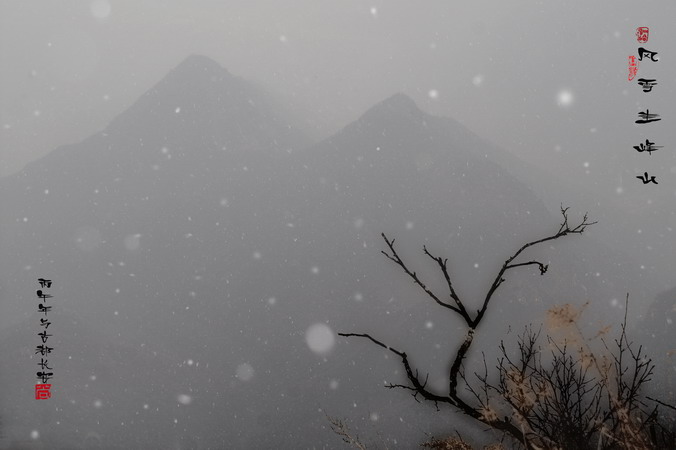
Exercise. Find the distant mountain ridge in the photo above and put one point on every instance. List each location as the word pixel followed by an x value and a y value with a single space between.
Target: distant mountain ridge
pixel 204 227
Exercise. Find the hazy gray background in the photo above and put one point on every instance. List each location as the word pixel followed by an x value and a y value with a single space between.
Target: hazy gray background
pixel 196 237
pixel 497 67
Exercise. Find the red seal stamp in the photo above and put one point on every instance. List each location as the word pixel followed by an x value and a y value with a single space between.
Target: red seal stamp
pixel 633 67
pixel 42 391
pixel 642 34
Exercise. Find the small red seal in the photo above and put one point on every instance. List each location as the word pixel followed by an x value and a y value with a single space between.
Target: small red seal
pixel 642 34
pixel 42 391
pixel 633 67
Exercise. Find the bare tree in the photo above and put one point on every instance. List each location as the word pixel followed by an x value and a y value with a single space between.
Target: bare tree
pixel 453 302
pixel 573 400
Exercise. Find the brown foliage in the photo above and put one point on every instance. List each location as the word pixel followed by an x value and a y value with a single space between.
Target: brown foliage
pixel 570 399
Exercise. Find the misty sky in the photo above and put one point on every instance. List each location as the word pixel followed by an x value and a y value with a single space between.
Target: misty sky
pixel 546 81
pixel 498 67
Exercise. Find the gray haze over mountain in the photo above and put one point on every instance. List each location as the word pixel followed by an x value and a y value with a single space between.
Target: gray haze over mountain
pixel 547 81
pixel 204 254
pixel 498 67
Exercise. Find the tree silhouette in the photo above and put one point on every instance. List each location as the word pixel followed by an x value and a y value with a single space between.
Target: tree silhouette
pixel 573 400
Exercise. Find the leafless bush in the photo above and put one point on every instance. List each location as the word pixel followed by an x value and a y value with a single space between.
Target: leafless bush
pixel 341 429
pixel 571 399
pixel 572 396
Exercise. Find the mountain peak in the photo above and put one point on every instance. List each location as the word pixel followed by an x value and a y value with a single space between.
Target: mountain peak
pixel 398 106
pixel 200 65
pixel 198 82
pixel 398 102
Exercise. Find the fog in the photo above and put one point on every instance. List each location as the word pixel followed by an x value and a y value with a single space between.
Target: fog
pixel 206 185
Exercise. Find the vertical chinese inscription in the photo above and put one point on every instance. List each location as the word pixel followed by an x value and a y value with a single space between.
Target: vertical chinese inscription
pixel 43 389
pixel 647 85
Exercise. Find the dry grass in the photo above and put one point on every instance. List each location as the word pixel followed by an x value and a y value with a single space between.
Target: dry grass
pixel 453 443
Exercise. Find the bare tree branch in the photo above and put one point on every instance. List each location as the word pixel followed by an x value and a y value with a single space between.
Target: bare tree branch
pixel 418 386
pixel 543 267
pixel 667 405
pixel 342 430
pixel 375 341
pixel 443 265
pixel 395 257
pixel 564 230
pixel 520 432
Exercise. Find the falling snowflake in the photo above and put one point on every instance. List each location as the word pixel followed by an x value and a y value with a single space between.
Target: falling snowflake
pixel 244 372
pixel 564 98
pixel 184 399
pixel 320 338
